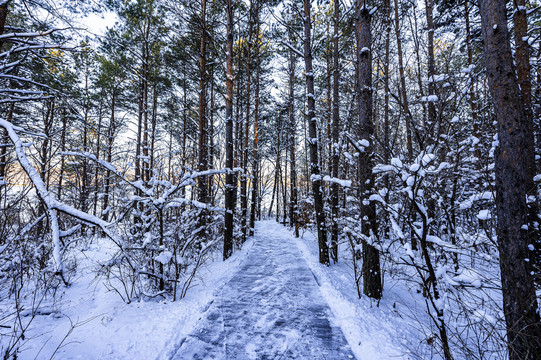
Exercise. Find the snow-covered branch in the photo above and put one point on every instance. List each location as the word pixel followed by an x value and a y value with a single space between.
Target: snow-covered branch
pixel 51 204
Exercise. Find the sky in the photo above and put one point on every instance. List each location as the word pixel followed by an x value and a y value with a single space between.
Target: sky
pixel 98 23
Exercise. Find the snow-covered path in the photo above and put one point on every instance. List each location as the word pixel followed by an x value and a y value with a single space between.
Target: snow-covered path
pixel 272 308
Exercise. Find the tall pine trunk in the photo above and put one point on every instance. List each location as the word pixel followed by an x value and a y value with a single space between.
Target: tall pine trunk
pixel 230 184
pixel 109 157
pixel 472 94
pixel 431 132
pixel 371 260
pixel 202 184
pixel 244 178
pixel 293 203
pixel 255 172
pixel 313 138
pixel 335 151
pixel 522 58
pixel 515 142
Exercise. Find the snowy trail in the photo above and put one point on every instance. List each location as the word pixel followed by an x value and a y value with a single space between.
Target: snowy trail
pixel 272 308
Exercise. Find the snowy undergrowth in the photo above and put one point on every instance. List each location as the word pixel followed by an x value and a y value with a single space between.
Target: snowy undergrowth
pixel 104 327
pixel 387 330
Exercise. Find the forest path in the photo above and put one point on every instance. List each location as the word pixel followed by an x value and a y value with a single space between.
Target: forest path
pixel 272 308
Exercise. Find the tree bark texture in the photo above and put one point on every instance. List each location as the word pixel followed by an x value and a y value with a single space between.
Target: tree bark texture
pixel 255 171
pixel 335 151
pixel 372 285
pixel 230 183
pixel 203 126
pixel 244 178
pixel 519 299
pixel 431 131
pixel 293 204
pixel 313 141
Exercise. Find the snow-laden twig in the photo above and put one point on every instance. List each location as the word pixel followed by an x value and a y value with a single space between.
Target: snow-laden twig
pixel 290 47
pixel 27 34
pixel 341 182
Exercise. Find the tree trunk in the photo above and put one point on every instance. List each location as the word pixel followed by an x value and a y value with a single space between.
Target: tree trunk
pixel 522 58
pixel 62 148
pixel 312 123
pixel 211 144
pixel 4 137
pixel 415 30
pixel 202 181
pixel 244 178
pixel 145 76
pixel 84 179
pixel 230 184
pixel 515 144
pixel 110 140
pixel 277 166
pixel 472 94
pixel 431 134
pixel 153 128
pixel 335 151
pixel 4 149
pixel 403 91
pixel 255 179
pixel 184 125
pixel 293 203
pixel 96 170
pixel 371 262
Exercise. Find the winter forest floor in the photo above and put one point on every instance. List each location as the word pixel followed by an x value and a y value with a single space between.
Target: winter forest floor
pixel 271 300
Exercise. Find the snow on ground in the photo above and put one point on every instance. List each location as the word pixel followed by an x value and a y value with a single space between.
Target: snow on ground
pixel 272 308
pixel 374 331
pixel 108 328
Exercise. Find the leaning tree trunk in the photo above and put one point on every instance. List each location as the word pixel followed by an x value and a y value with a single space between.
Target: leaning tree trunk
pixel 371 262
pixel 515 139
pixel 313 140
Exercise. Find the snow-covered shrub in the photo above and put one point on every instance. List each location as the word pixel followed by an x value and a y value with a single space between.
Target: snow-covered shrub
pixel 162 240
pixel 432 241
